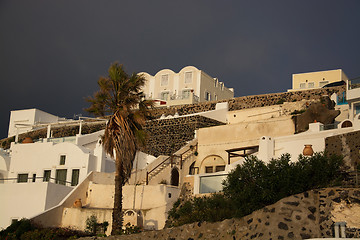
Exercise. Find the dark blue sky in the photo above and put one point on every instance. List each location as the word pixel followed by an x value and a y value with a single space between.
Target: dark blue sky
pixel 52 52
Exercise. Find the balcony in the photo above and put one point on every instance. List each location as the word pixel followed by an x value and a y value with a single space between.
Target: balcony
pixel 353 89
pixel 169 100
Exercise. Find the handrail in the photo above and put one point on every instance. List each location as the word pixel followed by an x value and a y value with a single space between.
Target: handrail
pixel 170 157
pixel 148 172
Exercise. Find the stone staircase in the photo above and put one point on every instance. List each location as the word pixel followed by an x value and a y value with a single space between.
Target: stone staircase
pixel 177 159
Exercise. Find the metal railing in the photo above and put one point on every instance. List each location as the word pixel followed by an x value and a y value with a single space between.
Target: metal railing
pixel 33 180
pixel 71 139
pixel 354 83
pixel 329 126
pixel 171 158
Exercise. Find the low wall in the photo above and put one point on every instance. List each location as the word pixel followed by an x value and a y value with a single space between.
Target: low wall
pixel 307 215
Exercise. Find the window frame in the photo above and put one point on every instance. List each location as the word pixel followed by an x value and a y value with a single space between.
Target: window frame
pixel 186 90
pixel 207 96
pixel 19 178
pixel 186 79
pixel 207 169
pixel 45 177
pixel 60 181
pixel 222 167
pixel 162 80
pixel 75 182
pixel 163 93
pixel 62 159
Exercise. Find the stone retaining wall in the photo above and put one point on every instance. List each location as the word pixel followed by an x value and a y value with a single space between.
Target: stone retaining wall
pixel 166 136
pixel 307 215
pixel 250 101
pixel 347 144
pixel 234 104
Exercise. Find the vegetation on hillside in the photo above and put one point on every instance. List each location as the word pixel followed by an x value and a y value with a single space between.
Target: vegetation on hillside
pixel 25 229
pixel 256 184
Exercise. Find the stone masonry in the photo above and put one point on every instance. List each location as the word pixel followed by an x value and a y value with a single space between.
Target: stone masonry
pixel 234 104
pixel 302 216
pixel 348 145
pixel 166 136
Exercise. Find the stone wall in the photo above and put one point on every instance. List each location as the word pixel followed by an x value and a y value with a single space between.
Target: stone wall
pixel 310 214
pixel 166 136
pixel 348 145
pixel 250 101
pixel 234 104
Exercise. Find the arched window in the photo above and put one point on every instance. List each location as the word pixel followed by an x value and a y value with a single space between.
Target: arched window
pixel 346 124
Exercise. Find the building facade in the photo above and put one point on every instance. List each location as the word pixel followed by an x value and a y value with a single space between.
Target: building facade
pixel 312 80
pixel 188 86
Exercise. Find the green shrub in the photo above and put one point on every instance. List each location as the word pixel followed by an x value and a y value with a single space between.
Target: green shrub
pixel 256 184
pixel 211 209
pixel 25 229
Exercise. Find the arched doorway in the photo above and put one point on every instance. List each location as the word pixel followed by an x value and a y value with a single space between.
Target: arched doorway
pixel 174 177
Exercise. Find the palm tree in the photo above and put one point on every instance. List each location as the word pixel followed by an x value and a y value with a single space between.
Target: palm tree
pixel 120 96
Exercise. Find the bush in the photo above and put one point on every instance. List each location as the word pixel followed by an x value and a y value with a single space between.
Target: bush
pixel 211 209
pixel 25 229
pixel 255 184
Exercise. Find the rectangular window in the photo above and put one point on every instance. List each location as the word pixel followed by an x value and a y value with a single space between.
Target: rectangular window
pixel 62 159
pixel 22 178
pixel 75 177
pixel 164 96
pixel 357 109
pixel 186 93
pixel 209 169
pixel 215 82
pixel 47 175
pixel 323 83
pixel 164 80
pixel 302 85
pixel 60 176
pixel 34 177
pixel 220 168
pixel 207 96
pixel 188 77
pixel 311 84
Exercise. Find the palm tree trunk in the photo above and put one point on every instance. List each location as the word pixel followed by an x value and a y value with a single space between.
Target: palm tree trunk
pixel 117 214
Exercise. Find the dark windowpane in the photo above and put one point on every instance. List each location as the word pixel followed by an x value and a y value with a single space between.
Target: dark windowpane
pixel 47 174
pixel 209 169
pixel 62 159
pixel 60 176
pixel 220 168
pixel 22 178
pixel 75 177
pixel 34 177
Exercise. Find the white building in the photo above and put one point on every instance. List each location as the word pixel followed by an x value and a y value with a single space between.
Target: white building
pixel 38 175
pixel 190 85
pixel 353 96
pixel 25 120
